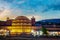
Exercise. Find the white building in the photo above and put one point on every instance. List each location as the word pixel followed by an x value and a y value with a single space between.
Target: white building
pixel 37 33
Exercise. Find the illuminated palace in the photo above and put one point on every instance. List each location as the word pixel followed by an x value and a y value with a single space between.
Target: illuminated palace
pixel 20 24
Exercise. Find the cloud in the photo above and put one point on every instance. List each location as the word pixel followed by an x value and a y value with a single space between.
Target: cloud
pixel 29 8
pixel 51 5
pixel 4 14
pixel 36 17
pixel 4 10
pixel 41 5
pixel 20 2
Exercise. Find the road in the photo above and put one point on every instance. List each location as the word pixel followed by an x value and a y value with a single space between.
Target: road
pixel 40 38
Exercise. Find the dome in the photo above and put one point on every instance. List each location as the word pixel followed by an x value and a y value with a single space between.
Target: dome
pixel 21 18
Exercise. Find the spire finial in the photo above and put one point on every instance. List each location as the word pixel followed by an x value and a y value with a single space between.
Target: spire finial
pixel 7 18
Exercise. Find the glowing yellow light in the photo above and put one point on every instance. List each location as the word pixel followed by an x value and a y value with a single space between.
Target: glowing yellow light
pixel 19 29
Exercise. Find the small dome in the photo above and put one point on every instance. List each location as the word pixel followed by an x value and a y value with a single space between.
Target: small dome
pixel 21 18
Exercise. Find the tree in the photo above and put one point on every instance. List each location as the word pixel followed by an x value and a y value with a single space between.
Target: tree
pixel 44 30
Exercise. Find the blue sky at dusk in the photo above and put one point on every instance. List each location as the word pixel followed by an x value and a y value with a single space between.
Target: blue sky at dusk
pixel 40 9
